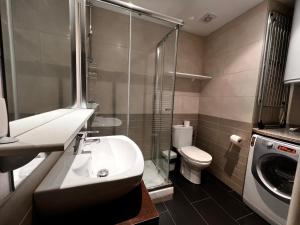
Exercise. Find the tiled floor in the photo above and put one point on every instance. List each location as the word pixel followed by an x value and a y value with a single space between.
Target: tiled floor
pixel 211 203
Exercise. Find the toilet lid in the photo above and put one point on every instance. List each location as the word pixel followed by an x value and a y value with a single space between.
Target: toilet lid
pixel 196 154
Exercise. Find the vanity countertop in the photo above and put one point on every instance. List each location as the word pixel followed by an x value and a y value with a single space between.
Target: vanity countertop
pixel 280 133
pixel 55 135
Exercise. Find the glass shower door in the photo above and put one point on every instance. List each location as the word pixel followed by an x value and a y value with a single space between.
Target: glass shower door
pixel 108 63
pixel 163 102
pixel 130 80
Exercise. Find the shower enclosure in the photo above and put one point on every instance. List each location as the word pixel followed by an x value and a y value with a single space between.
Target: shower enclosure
pixel 128 64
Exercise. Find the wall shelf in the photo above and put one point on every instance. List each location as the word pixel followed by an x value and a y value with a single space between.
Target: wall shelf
pixel 193 76
pixel 54 135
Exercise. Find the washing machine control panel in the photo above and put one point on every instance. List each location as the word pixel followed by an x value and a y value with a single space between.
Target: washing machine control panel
pixel 286 149
pixel 276 147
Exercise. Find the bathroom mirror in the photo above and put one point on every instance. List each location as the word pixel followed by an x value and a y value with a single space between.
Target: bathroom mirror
pixel 37 56
pixel 38 74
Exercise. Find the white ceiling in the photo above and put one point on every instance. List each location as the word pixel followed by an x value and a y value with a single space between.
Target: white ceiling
pixel 225 10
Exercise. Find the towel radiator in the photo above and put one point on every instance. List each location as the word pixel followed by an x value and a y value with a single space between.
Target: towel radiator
pixel 273 93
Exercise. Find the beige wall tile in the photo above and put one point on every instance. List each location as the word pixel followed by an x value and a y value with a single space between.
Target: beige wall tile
pixel 189 60
pixel 244 58
pixel 209 106
pixel 214 66
pixel 236 108
pixel 186 103
pixel 190 53
pixel 241 84
pixel 226 103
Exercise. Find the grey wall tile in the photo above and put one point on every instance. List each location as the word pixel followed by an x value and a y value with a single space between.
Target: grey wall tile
pixel 229 162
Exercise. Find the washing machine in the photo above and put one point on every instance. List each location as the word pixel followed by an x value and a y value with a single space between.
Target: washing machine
pixel 270 177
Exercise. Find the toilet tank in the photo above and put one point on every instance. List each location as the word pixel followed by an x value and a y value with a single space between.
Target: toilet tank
pixel 182 136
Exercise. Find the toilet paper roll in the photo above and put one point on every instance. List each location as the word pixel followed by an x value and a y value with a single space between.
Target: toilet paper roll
pixel 186 123
pixel 235 139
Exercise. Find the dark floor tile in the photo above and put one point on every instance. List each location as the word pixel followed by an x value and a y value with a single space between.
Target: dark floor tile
pixel 253 219
pixel 165 219
pixel 160 207
pixel 236 195
pixel 240 198
pixel 192 191
pixel 213 214
pixel 231 205
pixel 182 211
pixel 209 178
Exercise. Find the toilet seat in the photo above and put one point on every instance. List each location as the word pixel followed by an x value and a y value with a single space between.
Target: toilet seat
pixel 195 154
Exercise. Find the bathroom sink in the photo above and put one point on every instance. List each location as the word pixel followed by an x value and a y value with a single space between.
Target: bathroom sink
pixel 104 169
pixel 118 157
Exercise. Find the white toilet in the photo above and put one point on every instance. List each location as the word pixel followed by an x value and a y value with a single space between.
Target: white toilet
pixel 193 159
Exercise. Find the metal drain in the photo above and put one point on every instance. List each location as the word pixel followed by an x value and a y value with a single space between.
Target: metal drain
pixel 103 173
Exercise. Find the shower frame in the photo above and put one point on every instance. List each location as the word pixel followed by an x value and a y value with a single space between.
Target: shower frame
pixel 82 31
pixel 157 80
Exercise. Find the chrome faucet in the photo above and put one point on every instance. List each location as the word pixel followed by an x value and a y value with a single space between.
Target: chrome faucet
pixel 80 138
pixel 83 135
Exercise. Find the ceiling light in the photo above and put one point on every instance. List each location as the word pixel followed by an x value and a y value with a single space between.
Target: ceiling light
pixel 208 17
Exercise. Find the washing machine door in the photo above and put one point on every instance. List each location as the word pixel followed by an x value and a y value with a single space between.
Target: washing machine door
pixel 274 170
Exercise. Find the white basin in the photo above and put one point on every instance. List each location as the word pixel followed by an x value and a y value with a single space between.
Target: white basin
pixel 80 186
pixel 119 155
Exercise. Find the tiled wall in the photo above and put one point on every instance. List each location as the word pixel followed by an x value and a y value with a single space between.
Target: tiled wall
pixel 110 44
pixel 189 60
pixel 229 162
pixel 232 56
pixel 190 57
pixel 108 85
